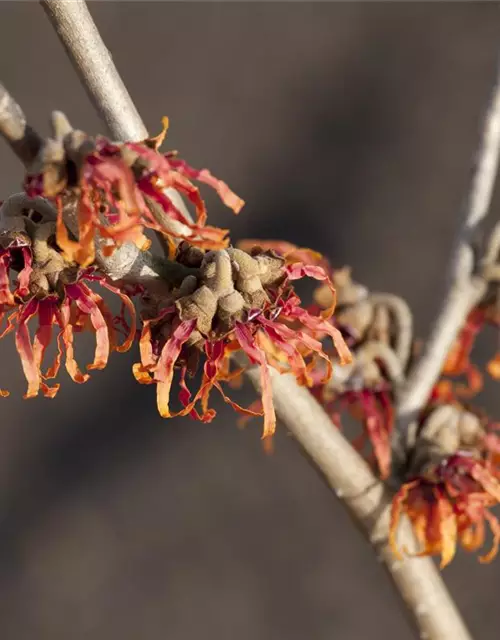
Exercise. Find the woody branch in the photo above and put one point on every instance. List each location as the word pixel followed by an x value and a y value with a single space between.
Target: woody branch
pixel 417 580
pixel 469 273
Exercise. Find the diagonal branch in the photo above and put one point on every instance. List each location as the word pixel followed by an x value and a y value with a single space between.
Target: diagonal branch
pixel 465 285
pixel 95 67
pixel 417 580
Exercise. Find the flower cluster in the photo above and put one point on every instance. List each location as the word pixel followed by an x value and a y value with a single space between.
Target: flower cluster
pixel 218 311
pixel 451 479
pixel 37 282
pixel 210 310
pixel 452 483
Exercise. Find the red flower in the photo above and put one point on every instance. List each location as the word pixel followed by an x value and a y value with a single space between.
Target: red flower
pixel 122 190
pixel 280 334
pixel 74 307
pixel 450 504
pixel 458 361
pixel 374 409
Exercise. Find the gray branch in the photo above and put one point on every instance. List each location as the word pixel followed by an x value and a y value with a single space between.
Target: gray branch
pixel 416 579
pixel 466 286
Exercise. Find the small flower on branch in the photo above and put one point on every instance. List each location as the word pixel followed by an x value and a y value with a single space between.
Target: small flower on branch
pixel 119 190
pixel 37 282
pixel 239 303
pixel 451 485
pixel 458 362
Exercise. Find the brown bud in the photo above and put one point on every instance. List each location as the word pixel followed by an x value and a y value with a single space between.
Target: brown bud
pixel 229 309
pixel 202 305
pixel 216 272
pixel 247 278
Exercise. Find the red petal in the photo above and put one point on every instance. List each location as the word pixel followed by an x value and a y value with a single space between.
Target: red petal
pixel 25 349
pixel 164 370
pixel 247 342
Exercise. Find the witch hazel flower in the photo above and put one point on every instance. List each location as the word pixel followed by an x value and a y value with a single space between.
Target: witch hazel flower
pixel 237 304
pixel 458 363
pixel 120 189
pixel 362 389
pixel 38 285
pixel 451 485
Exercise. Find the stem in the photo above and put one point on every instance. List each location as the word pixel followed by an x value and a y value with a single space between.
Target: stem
pixel 81 39
pixel 22 139
pixel 465 288
pixel 416 579
pixel 85 48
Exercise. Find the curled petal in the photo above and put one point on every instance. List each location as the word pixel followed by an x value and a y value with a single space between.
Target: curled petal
pixel 495 529
pixel 23 279
pixel 300 270
pixel 397 507
pixel 229 198
pixel 129 305
pixel 164 370
pixel 6 297
pixel 247 342
pixel 25 349
pixel 82 295
pixel 67 338
pixel 448 530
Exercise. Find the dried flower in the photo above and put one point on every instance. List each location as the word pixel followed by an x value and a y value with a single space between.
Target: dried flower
pixel 119 190
pixel 57 293
pixel 452 487
pixel 239 303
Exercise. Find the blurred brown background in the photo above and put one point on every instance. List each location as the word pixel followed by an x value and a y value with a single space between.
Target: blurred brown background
pixel 346 127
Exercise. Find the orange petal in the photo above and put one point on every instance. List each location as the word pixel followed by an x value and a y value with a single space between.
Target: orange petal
pixel 448 531
pixel 25 349
pixel 164 370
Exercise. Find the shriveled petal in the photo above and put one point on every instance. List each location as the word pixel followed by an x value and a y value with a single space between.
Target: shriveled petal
pixel 129 305
pixel 82 295
pixel 164 370
pixel 249 346
pixel 23 279
pixel 397 508
pixel 448 530
pixel 67 339
pixel 43 335
pixel 25 349
pixel 495 529
pixel 227 196
pixel 300 270
pixel 6 297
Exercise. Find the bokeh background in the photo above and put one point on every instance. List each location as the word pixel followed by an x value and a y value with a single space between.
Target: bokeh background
pixel 346 127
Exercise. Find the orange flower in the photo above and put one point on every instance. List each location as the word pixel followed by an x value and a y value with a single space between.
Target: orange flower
pixel 281 334
pixel 449 505
pixel 116 183
pixel 74 309
pixel 458 361
pixel 375 410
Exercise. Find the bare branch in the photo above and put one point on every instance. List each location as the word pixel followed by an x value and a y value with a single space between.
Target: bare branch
pixel 465 286
pixel 417 580
pixel 23 140
pixel 88 53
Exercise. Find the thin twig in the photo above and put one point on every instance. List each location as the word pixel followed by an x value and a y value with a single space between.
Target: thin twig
pixel 95 67
pixel 369 502
pixel 23 140
pixel 465 286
